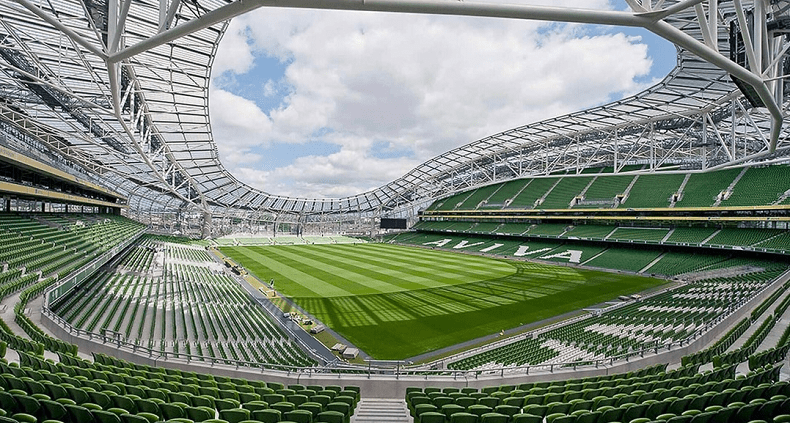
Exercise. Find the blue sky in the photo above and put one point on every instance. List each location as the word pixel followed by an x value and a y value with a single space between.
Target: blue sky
pixel 328 104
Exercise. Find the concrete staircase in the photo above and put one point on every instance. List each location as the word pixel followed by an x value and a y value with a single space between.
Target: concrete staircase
pixel 381 411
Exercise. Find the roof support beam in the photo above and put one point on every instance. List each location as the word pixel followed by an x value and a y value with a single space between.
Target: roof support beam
pixel 60 27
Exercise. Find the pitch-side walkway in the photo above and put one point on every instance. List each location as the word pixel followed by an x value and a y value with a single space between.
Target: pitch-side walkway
pixel 381 411
pixel 770 340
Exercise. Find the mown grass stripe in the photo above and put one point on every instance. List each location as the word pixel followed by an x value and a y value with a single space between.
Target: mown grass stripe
pixel 428 257
pixel 432 256
pixel 286 271
pixel 336 274
pixel 405 323
pixel 397 276
pixel 441 259
pixel 392 267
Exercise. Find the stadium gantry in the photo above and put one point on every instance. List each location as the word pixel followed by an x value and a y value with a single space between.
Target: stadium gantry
pixel 116 92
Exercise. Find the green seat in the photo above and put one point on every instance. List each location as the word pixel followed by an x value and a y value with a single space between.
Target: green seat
pixel 490 401
pixel 235 415
pixel 117 410
pixel 431 417
pixel 102 416
pixel 29 405
pixel 8 403
pixel 313 407
pixel 330 417
pixel 535 410
pixel 147 406
pixel 297 399
pixel 634 412
pixel 508 410
pixel 199 414
pixel 180 397
pixel 152 418
pixel 203 401
pixel 494 418
pixel 352 402
pixel 133 418
pixel 79 413
pixel 299 416
pixel 255 405
pixel 122 401
pixel 173 411
pixel 612 415
pixel 450 409
pixel 527 418
pixel 463 418
pixel 283 406
pixel 100 398
pixel 419 409
pixel 226 403
pixel 268 415
pixel 245 397
pixel 24 418
pixel 332 394
pixel 465 401
pixel 321 399
pixel 479 409
pixel 53 410
pixel 341 407
pixel 554 416
pixel 744 414
pixel 704 417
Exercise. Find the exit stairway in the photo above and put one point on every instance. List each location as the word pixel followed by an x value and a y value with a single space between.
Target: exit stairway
pixel 374 410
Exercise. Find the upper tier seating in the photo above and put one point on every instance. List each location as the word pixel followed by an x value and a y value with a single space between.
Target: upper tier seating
pixel 604 189
pixel 653 191
pixel 702 189
pixel 564 192
pixel 533 190
pixel 758 186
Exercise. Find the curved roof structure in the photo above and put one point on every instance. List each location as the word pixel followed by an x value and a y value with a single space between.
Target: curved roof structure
pixel 118 89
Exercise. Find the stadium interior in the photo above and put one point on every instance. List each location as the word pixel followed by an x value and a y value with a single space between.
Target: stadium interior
pixel 626 263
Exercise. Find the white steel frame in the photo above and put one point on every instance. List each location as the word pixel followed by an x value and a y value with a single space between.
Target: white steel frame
pixel 122 86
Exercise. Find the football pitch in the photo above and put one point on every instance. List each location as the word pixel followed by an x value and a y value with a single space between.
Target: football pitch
pixel 396 302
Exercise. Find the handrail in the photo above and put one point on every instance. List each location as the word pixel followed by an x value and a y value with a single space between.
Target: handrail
pixel 538 331
pixel 88 267
pixel 422 370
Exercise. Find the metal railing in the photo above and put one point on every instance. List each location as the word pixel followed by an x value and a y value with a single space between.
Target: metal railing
pixel 337 368
pixel 78 276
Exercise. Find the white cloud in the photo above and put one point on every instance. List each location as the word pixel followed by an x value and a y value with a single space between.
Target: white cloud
pixel 239 123
pixel 235 53
pixel 421 84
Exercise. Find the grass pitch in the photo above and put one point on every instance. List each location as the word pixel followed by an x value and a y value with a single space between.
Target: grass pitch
pixel 396 302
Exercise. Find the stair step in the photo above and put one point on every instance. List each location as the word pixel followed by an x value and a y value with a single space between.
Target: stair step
pixel 381 410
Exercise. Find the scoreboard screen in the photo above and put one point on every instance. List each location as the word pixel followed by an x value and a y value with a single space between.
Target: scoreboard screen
pixel 393 223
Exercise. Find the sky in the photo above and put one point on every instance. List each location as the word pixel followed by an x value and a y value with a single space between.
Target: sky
pixel 317 104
